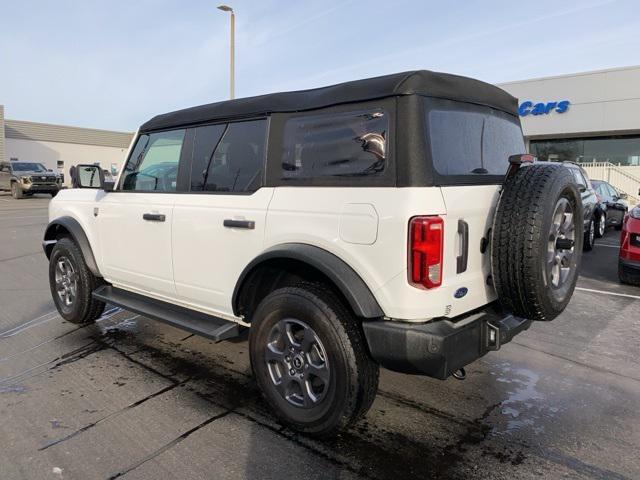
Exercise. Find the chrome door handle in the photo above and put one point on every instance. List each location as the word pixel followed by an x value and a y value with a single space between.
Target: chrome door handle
pixel 154 217
pixel 248 224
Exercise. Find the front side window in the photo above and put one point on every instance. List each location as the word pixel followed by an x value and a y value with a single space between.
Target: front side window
pixel 153 164
pixel 346 144
pixel 229 157
pixel 472 140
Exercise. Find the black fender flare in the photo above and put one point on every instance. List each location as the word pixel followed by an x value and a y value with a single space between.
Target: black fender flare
pixel 354 289
pixel 78 235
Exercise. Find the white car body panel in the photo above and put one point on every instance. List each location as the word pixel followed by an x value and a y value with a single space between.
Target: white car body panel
pixel 192 260
pixel 208 258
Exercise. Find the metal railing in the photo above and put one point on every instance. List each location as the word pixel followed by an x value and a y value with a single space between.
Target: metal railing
pixel 624 178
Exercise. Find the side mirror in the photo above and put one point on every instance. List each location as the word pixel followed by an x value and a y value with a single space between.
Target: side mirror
pixel 89 176
pixel 49 170
pixel 582 188
pixel 623 196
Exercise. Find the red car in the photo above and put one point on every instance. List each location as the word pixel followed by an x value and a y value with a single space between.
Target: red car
pixel 629 260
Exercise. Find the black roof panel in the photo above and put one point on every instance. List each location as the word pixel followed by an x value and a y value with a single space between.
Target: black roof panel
pixel 420 82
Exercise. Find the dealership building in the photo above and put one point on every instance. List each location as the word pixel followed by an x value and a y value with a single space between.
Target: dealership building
pixel 592 118
pixel 59 147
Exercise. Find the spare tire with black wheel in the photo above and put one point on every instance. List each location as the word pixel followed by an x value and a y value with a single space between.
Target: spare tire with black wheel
pixel 536 241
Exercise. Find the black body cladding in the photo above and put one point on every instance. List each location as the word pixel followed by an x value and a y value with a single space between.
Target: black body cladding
pixel 70 225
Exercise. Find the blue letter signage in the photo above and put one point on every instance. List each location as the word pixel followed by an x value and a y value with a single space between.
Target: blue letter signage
pixel 528 107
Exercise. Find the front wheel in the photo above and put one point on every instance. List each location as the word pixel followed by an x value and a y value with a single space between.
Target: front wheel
pixel 16 191
pixel 72 284
pixel 310 359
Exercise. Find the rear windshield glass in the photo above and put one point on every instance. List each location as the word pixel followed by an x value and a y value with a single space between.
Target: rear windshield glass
pixel 469 139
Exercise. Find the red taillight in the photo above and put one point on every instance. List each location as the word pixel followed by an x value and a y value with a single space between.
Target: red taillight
pixel 426 238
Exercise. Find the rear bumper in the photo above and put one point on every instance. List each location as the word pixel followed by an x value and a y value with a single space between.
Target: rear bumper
pixel 439 348
pixel 630 265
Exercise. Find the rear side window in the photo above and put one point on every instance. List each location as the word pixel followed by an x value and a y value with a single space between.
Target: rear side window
pixel 472 140
pixel 153 164
pixel 229 157
pixel 346 144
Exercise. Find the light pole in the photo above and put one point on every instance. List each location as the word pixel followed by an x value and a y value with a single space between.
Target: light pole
pixel 226 8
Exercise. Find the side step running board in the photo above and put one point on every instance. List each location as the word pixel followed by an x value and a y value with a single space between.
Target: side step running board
pixel 215 328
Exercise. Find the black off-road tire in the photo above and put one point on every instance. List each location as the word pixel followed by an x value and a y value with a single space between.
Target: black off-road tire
pixel 520 241
pixel 16 191
pixel 354 375
pixel 628 277
pixel 85 309
pixel 590 236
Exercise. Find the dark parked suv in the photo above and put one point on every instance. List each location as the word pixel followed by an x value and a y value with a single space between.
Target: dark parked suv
pixel 593 216
pixel 27 178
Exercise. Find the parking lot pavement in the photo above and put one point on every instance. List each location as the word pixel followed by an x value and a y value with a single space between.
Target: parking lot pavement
pixel 130 398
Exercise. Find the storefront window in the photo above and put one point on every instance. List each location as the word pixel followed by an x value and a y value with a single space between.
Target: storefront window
pixel 617 150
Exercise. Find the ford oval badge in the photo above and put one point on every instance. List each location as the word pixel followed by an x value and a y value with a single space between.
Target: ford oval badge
pixel 461 292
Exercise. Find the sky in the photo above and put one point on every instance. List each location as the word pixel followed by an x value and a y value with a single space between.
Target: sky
pixel 113 64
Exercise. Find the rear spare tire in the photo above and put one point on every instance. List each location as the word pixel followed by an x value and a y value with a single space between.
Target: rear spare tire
pixel 536 241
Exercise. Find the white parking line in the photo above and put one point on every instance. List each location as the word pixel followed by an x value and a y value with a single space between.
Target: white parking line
pixel 606 245
pixel 608 293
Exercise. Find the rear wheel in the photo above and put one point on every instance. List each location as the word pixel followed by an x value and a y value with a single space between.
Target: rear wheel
pixel 536 241
pixel 16 191
pixel 309 357
pixel 590 236
pixel 72 284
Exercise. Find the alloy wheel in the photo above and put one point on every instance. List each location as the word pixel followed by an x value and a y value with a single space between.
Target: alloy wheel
pixel 66 280
pixel 561 243
pixel 601 225
pixel 297 363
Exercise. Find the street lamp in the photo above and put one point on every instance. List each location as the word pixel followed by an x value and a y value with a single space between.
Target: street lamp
pixel 226 8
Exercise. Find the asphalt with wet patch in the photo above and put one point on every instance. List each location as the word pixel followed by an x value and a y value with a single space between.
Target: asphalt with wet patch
pixel 132 398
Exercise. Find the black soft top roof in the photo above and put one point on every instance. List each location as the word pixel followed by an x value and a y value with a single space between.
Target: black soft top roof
pixel 420 82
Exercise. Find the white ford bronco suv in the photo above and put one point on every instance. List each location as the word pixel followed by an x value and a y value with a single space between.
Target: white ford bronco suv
pixel 394 221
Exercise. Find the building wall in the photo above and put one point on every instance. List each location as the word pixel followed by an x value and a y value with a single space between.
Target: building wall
pixel 602 102
pixel 2 156
pixel 48 153
pixel 50 144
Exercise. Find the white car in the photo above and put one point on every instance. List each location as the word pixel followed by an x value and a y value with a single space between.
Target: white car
pixel 391 221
